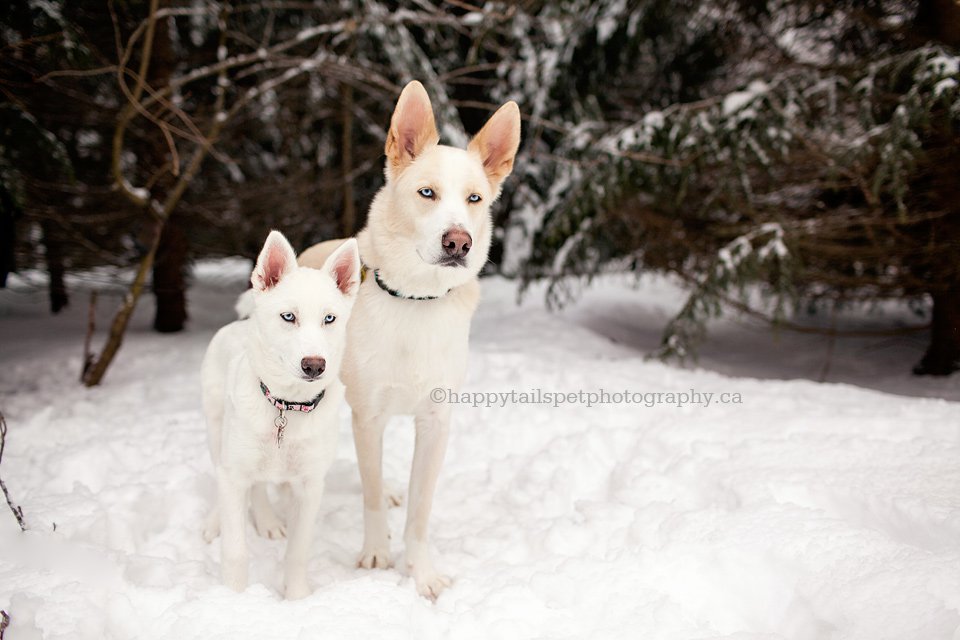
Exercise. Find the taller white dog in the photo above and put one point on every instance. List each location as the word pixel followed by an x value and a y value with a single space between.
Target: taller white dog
pixel 271 396
pixel 426 239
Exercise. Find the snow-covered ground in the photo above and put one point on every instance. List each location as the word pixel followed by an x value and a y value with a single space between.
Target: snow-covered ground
pixel 806 510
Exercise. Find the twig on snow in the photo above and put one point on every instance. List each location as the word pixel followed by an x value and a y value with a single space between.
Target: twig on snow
pixel 16 509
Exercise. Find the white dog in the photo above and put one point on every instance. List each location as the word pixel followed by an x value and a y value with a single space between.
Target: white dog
pixel 271 395
pixel 426 239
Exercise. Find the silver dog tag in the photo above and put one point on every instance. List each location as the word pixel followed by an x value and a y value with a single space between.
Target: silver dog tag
pixel 280 422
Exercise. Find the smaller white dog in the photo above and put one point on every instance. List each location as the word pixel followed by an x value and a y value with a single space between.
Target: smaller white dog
pixel 271 396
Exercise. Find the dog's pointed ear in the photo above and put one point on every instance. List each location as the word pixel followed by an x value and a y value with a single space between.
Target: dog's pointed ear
pixel 277 259
pixel 343 265
pixel 412 127
pixel 497 143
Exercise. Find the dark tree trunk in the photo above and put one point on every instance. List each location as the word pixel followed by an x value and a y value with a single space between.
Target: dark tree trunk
pixel 348 226
pixel 939 20
pixel 8 238
pixel 55 268
pixel 943 355
pixel 169 285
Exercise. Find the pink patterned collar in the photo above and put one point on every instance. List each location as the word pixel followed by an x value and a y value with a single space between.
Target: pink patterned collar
pixel 284 405
pixel 280 422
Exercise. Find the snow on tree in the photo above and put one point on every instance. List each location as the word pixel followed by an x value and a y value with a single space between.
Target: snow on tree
pixel 775 155
pixel 843 160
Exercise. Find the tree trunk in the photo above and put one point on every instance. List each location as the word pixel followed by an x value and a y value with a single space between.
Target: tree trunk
pixel 348 226
pixel 8 237
pixel 94 372
pixel 54 254
pixel 943 355
pixel 169 285
pixel 939 20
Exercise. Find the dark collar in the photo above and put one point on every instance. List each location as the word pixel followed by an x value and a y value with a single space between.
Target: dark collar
pixel 283 405
pixel 364 269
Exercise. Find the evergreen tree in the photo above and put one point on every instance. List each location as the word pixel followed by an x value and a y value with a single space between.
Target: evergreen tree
pixel 826 177
pixel 775 155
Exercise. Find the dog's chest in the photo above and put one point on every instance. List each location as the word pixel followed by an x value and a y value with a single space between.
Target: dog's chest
pixel 408 346
pixel 307 445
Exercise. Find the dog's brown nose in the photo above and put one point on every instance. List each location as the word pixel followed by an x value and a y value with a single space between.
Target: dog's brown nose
pixel 313 366
pixel 456 243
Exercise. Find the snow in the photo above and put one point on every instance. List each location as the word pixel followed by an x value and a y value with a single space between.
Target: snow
pixel 944 86
pixel 732 254
pixel 737 101
pixel 138 192
pixel 944 65
pixel 472 18
pixel 610 17
pixel 51 9
pixel 805 511
pixel 87 141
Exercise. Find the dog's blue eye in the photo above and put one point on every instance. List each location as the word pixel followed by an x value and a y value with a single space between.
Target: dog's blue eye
pixel 288 317
pixel 474 198
pixel 427 193
pixel 329 318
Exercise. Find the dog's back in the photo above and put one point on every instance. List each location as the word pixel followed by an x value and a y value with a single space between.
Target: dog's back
pixel 316 255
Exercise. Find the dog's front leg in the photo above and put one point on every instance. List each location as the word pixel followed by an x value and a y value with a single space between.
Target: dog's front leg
pixel 368 440
pixel 307 496
pixel 433 429
pixel 232 497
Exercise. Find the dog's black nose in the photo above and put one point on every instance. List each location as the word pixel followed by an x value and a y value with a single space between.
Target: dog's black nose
pixel 456 243
pixel 313 367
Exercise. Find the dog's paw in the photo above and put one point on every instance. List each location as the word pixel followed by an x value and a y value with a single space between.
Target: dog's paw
pixel 234 575
pixel 211 530
pixel 297 590
pixel 416 560
pixel 374 558
pixel 269 526
pixel 430 583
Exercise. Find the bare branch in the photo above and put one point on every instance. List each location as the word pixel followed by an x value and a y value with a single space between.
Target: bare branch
pixel 16 509
pixel 137 196
pixel 94 375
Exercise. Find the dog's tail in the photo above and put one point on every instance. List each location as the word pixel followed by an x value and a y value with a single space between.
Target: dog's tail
pixel 244 304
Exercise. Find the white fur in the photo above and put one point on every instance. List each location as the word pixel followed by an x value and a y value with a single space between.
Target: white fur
pixel 240 420
pixel 399 350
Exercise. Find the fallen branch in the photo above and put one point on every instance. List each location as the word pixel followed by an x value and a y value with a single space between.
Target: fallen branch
pixel 16 509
